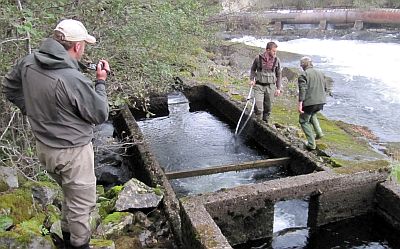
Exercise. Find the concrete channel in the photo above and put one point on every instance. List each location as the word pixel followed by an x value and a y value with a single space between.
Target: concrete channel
pixel 236 215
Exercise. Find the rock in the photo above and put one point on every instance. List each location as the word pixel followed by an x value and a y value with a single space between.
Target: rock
pixel 44 195
pixel 8 178
pixel 291 73
pixel 6 222
pixel 101 244
pixel 115 224
pixel 56 228
pixel 27 241
pixel 95 218
pixel 137 195
pixel 127 242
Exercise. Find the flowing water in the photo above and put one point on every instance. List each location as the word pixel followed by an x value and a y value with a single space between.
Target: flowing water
pixel 194 139
pixel 366 92
pixel 188 140
pixel 366 81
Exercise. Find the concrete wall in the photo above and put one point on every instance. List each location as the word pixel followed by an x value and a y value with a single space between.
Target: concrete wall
pixel 388 203
pixel 276 144
pixel 234 216
pixel 334 197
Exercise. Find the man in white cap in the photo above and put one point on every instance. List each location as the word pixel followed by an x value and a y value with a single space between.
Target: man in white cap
pixel 62 106
pixel 312 98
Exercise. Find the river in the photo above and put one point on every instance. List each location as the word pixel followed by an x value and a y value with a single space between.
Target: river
pixel 366 83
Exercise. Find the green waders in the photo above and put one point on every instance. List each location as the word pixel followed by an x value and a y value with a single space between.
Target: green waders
pixel 309 123
pixel 264 95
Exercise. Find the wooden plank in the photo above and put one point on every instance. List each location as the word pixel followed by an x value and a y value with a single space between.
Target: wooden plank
pixel 226 168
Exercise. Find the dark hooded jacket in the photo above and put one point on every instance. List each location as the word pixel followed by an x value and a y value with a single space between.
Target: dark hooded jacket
pixel 62 104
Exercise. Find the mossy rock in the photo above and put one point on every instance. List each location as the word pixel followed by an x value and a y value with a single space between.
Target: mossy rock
pixel 128 242
pixel 100 190
pixel 11 239
pixel 115 217
pixel 113 192
pixel 5 223
pixel 19 205
pixel 3 186
pixel 101 244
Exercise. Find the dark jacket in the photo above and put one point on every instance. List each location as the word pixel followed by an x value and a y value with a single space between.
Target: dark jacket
pixel 61 103
pixel 312 87
pixel 257 66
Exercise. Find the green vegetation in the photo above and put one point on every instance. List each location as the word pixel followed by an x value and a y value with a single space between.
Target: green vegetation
pixel 115 217
pixel 148 44
pixel 395 172
pixel 18 204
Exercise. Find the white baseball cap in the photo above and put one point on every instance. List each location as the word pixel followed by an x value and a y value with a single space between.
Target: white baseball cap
pixel 74 30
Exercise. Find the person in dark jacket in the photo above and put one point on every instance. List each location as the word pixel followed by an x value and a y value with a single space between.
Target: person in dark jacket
pixel 312 97
pixel 63 106
pixel 265 77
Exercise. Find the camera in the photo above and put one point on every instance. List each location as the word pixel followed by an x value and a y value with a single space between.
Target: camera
pixel 93 66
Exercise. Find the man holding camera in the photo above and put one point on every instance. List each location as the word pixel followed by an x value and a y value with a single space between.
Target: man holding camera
pixel 62 106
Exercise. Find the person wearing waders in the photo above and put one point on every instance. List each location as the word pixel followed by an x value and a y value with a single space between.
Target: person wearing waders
pixel 265 77
pixel 312 97
pixel 62 106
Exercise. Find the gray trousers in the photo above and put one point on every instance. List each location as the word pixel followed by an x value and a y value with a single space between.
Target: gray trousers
pixel 264 95
pixel 73 169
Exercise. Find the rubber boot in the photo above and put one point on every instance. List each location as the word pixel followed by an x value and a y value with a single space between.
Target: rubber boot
pixel 266 117
pixel 317 127
pixel 85 246
pixel 67 239
pixel 308 130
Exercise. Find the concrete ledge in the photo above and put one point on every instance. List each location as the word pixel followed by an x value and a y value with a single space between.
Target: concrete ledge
pixel 388 202
pixel 234 210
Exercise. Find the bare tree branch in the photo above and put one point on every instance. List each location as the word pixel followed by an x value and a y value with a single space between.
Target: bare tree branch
pixel 8 126
pixel 14 39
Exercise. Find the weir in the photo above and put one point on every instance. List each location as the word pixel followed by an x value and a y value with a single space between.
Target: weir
pixel 234 216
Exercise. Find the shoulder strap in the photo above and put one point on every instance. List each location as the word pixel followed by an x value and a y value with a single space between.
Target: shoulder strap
pixel 274 64
pixel 259 62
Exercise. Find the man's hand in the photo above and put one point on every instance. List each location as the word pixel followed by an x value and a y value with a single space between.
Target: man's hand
pixel 252 83
pixel 102 69
pixel 278 92
pixel 300 107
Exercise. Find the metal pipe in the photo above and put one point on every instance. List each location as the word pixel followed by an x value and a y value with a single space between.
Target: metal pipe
pixel 336 16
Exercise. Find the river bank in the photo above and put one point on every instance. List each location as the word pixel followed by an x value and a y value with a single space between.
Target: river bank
pixel 347 145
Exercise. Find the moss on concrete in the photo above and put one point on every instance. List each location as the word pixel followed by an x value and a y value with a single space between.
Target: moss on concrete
pixel 205 231
pixel 349 166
